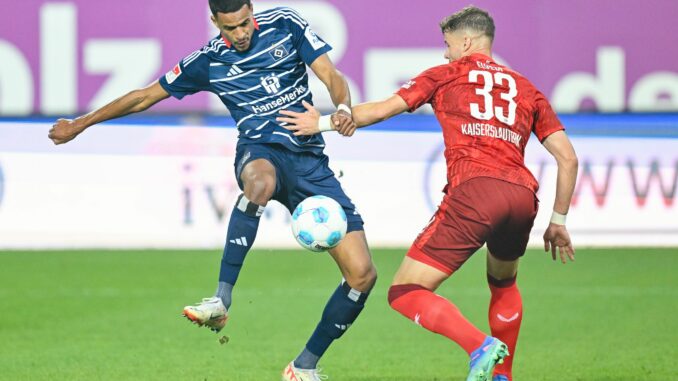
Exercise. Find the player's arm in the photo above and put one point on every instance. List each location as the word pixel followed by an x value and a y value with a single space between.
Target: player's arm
pixel 64 130
pixel 336 84
pixel 369 113
pixel 410 97
pixel 556 235
pixel 364 114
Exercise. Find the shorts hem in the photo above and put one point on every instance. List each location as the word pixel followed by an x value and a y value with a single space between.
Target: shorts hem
pixel 354 226
pixel 418 255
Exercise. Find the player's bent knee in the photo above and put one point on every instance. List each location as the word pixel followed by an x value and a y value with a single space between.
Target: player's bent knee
pixel 259 189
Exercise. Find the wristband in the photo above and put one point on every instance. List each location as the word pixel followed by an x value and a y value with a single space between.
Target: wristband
pixel 558 219
pixel 325 123
pixel 343 107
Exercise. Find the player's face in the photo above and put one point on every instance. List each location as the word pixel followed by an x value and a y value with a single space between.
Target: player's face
pixel 455 43
pixel 237 27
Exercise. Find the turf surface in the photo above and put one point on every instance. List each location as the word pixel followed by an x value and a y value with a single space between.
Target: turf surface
pixel 115 315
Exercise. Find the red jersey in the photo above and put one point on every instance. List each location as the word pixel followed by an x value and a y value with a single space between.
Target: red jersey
pixel 487 112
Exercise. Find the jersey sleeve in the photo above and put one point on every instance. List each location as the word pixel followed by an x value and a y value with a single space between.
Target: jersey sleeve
pixel 189 76
pixel 546 121
pixel 420 90
pixel 308 44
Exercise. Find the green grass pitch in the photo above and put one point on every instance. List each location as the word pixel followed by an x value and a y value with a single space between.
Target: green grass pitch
pixel 115 315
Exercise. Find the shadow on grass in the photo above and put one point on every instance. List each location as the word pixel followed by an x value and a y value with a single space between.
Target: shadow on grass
pixel 405 378
pixel 460 378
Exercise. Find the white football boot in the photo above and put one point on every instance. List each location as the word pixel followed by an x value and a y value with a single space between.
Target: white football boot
pixel 294 374
pixel 210 313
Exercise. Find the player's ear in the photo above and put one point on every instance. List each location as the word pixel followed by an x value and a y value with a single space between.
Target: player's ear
pixel 214 21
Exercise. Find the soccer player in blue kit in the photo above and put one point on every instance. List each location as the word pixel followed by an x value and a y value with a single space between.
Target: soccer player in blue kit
pixel 257 66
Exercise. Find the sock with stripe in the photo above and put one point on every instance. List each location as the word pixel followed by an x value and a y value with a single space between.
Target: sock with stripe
pixel 341 311
pixel 242 230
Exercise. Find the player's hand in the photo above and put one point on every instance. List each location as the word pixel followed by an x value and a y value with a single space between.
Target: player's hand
pixel 65 130
pixel 557 237
pixel 343 122
pixel 301 123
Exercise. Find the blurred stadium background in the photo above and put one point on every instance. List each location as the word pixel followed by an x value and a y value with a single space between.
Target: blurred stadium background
pixel 164 180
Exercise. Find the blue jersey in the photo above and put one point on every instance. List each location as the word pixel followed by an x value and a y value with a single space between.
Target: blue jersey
pixel 257 84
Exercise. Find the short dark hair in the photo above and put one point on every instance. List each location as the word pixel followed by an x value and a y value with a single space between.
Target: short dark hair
pixel 227 6
pixel 472 18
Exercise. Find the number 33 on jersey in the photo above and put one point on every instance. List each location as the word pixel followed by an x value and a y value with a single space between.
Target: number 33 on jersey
pixel 487 112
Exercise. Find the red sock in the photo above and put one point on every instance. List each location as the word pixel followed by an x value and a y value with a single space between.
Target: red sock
pixel 505 314
pixel 436 314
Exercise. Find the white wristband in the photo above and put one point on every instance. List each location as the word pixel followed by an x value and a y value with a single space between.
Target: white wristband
pixel 558 219
pixel 325 123
pixel 343 107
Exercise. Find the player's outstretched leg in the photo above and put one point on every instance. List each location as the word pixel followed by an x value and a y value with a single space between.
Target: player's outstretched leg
pixel 440 316
pixel 505 316
pixel 436 314
pixel 411 294
pixel 242 230
pixel 343 307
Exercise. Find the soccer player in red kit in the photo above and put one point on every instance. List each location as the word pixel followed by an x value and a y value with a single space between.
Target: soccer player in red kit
pixel 487 112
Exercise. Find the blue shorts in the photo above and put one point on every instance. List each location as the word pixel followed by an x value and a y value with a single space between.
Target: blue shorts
pixel 298 175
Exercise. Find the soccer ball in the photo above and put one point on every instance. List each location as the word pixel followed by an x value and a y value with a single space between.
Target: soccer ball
pixel 319 223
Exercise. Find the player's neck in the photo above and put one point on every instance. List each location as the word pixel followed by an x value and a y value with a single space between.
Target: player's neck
pixel 483 51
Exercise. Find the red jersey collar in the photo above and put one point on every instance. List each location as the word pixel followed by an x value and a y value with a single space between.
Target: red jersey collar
pixel 228 43
pixel 481 56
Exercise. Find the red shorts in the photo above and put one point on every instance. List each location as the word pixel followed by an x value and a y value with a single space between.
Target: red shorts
pixel 477 211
